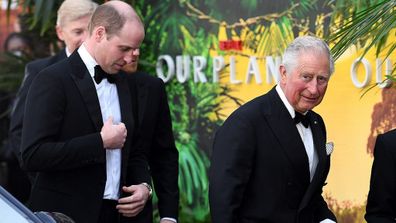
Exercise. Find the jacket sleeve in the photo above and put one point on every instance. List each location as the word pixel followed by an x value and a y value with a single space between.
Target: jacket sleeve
pixel 164 159
pixel 17 114
pixel 231 167
pixel 42 148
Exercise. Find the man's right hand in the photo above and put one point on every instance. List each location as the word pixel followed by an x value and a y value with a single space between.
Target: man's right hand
pixel 113 136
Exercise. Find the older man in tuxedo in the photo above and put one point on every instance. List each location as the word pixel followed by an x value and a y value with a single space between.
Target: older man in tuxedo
pixel 269 160
pixel 80 131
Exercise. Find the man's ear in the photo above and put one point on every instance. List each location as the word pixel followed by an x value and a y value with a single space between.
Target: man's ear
pixel 282 72
pixel 59 33
pixel 100 33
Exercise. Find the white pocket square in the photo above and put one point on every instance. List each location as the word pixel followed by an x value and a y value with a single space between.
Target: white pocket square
pixel 329 148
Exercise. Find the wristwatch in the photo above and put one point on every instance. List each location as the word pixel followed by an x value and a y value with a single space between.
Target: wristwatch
pixel 149 188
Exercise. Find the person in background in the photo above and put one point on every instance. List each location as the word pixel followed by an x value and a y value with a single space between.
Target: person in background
pixel 80 132
pixel 381 200
pixel 71 27
pixel 161 151
pixel 269 160
pixel 19 45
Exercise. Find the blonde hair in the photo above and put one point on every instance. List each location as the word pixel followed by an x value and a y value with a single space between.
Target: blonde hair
pixel 71 10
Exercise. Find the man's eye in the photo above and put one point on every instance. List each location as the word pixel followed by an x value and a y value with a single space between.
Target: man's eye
pixel 322 80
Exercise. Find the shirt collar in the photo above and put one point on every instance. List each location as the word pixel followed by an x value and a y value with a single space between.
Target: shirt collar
pixel 67 52
pixel 289 107
pixel 88 60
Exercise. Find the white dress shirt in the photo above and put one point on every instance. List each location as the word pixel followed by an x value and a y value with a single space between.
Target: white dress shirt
pixel 307 138
pixel 109 106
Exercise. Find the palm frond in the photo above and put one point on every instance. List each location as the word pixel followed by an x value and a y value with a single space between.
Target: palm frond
pixel 371 25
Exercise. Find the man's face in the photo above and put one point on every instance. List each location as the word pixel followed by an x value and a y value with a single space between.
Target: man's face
pixel 305 85
pixel 120 50
pixel 18 47
pixel 73 33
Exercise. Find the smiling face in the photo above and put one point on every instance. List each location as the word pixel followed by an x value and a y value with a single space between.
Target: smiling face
pixel 73 33
pixel 306 83
pixel 121 49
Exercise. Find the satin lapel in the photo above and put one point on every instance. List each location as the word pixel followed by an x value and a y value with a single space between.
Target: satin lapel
pixel 285 130
pixel 87 89
pixel 124 96
pixel 319 144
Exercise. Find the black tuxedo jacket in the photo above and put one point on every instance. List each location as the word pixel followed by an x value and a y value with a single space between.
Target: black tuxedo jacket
pixel 154 134
pixel 259 168
pixel 16 122
pixel 381 201
pixel 61 139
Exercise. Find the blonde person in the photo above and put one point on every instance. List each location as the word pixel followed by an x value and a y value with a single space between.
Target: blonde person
pixel 71 28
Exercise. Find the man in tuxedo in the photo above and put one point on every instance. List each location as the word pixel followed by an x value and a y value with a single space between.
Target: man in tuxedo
pixel 80 131
pixel 266 165
pixel 162 154
pixel 381 201
pixel 72 28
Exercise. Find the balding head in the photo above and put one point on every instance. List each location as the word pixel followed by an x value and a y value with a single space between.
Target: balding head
pixel 112 16
pixel 116 33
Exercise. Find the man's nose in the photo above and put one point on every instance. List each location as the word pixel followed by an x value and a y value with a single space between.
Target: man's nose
pixel 130 56
pixel 313 86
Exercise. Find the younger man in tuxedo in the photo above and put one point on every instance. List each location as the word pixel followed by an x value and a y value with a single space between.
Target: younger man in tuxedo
pixel 266 165
pixel 81 133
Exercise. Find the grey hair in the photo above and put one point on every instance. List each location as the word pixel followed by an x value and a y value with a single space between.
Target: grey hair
pixel 71 10
pixel 306 43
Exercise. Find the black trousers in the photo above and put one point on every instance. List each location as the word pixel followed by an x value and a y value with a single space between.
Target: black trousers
pixel 108 212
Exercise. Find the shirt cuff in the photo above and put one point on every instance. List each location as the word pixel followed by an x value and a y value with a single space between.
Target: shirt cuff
pixel 170 219
pixel 327 221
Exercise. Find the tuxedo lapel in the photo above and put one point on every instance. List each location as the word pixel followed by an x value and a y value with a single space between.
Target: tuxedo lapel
pixel 319 145
pixel 124 96
pixel 285 130
pixel 87 89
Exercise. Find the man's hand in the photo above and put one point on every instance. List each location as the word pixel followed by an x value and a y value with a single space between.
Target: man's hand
pixel 113 136
pixel 132 205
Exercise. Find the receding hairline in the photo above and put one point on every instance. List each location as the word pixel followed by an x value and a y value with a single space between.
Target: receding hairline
pixel 122 10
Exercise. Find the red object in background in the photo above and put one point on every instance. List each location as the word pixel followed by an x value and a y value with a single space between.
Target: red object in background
pixel 7 26
pixel 230 45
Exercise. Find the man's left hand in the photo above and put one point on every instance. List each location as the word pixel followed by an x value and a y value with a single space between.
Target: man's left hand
pixel 132 205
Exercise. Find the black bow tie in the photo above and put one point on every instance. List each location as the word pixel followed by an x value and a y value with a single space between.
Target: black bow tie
pixel 304 119
pixel 100 74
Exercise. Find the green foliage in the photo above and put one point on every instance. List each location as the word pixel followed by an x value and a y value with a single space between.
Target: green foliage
pixel 368 27
pixel 11 72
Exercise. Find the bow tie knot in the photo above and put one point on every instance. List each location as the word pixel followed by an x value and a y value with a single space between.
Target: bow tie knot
pixel 304 119
pixel 100 74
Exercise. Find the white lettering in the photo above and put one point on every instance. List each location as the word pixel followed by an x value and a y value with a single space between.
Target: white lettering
pixel 253 69
pixel 199 64
pixel 367 68
pixel 171 67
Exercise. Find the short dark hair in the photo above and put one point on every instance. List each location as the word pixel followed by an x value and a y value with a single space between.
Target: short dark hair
pixel 108 17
